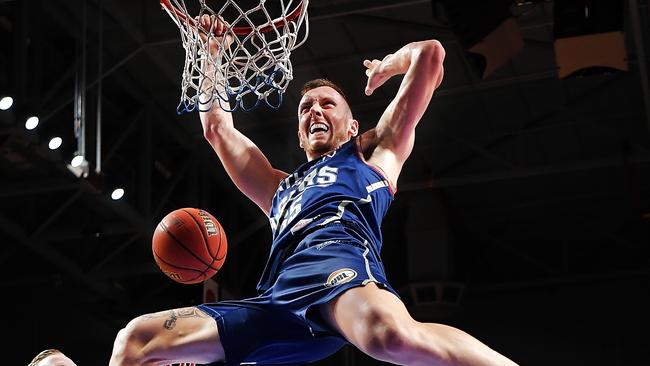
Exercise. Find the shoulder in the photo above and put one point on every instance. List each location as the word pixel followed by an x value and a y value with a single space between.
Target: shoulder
pixel 376 155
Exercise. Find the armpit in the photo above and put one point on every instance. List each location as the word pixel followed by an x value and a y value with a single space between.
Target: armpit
pixel 367 143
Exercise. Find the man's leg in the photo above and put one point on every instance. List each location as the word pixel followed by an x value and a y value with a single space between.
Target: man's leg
pixel 179 335
pixel 377 322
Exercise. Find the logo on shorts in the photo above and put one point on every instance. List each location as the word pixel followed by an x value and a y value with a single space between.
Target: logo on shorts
pixel 341 276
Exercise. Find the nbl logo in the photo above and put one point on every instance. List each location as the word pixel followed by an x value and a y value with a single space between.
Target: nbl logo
pixel 340 277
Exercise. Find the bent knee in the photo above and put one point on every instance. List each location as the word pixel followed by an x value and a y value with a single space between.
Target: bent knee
pixel 124 349
pixel 399 340
pixel 384 340
pixel 130 341
pixel 384 334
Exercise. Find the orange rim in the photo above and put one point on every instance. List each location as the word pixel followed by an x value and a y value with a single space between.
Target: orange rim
pixel 240 31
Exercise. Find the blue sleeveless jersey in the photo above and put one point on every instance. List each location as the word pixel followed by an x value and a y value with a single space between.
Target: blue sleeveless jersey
pixel 326 220
pixel 337 187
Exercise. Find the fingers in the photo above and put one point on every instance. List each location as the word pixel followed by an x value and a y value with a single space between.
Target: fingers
pixel 371 64
pixel 372 68
pixel 213 31
pixel 377 72
pixel 212 24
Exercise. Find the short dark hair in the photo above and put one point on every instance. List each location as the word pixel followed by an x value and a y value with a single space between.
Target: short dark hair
pixel 43 355
pixel 317 83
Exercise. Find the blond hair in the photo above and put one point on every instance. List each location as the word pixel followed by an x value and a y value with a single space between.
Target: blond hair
pixel 317 83
pixel 43 355
pixel 313 84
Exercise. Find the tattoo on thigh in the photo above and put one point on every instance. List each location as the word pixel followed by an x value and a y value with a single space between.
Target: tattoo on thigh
pixel 173 315
pixel 170 323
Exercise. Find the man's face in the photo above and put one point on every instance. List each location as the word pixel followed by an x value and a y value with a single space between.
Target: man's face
pixel 58 359
pixel 325 121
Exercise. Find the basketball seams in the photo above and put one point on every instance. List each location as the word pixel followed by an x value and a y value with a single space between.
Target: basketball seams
pixel 203 235
pixel 188 250
pixel 221 235
pixel 215 256
pixel 174 266
pixel 163 226
pixel 190 261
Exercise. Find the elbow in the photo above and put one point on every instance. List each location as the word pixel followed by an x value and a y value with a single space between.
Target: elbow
pixel 209 127
pixel 429 58
pixel 431 51
pixel 212 132
pixel 215 129
pixel 209 132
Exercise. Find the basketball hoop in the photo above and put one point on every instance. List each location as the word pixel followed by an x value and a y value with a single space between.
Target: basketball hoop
pixel 254 67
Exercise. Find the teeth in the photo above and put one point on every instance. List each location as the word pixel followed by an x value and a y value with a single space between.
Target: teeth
pixel 318 127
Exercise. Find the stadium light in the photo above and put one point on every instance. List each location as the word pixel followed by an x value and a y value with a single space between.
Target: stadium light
pixel 55 143
pixel 31 122
pixel 6 103
pixel 117 194
pixel 77 161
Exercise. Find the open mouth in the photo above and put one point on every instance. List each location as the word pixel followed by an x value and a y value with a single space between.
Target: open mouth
pixel 318 127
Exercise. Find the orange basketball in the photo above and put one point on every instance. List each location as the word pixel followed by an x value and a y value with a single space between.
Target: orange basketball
pixel 189 245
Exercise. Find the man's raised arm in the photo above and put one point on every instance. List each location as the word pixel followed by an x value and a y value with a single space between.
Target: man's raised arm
pixel 421 62
pixel 246 165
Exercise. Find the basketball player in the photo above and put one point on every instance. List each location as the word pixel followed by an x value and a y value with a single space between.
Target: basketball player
pixel 324 284
pixel 51 357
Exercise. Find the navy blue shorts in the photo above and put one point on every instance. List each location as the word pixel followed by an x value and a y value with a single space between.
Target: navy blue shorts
pixel 283 325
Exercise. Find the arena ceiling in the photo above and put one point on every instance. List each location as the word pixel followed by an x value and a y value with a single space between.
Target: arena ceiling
pixel 519 181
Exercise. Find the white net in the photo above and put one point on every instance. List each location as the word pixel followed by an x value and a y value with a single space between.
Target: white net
pixel 254 68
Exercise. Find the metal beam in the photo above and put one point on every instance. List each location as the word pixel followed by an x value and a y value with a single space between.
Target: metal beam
pixel 54 215
pixel 65 264
pixel 191 156
pixel 55 88
pixel 146 222
pixel 130 127
pixel 145 178
pixel 106 73
pixel 127 243
pixel 169 72
pixel 31 187
pixel 72 232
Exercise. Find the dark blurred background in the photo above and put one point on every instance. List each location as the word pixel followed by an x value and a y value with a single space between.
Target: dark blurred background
pixel 522 216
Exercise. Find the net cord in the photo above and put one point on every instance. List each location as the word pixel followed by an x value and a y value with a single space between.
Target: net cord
pixel 253 68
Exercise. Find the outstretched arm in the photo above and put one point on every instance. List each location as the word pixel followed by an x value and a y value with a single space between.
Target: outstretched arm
pixel 393 138
pixel 246 165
